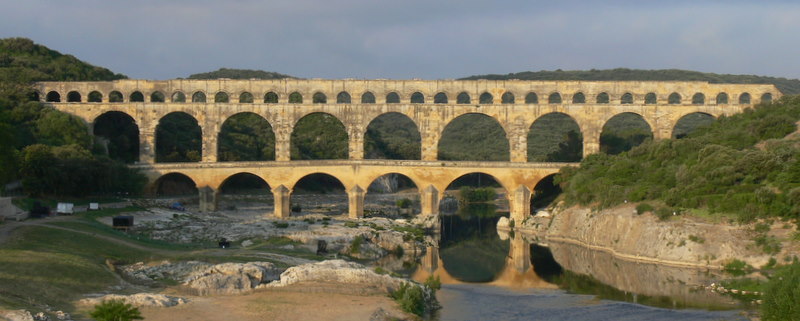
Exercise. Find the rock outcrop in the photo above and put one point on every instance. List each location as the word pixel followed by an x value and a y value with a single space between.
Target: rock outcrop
pixel 139 300
pixel 16 315
pixel 339 272
pixel 232 278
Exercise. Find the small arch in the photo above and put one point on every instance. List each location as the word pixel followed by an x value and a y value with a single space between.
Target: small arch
pixel 221 97
pixel 95 97
pixel 73 97
pixel 115 97
pixel 319 136
pixel 392 136
pixel 199 97
pixel 555 137
pixel 578 98
pixel 698 99
pixel 343 98
pixel 175 184
pixel 319 98
pixel 766 98
pixel 272 98
pixel 392 98
pixel 507 98
pixel 626 99
pixel 245 136
pixel 178 97
pixel 602 98
pixel 246 98
pixel 531 98
pixel 623 132
pixel 245 184
pixel 486 98
pixel 462 98
pixel 440 98
pixel 368 98
pixel 295 98
pixel 178 138
pixel 744 99
pixel 157 97
pixel 674 99
pixel 650 99
pixel 722 99
pixel 53 97
pixel 474 137
pixel 137 96
pixel 554 98
pixel 690 122
pixel 417 98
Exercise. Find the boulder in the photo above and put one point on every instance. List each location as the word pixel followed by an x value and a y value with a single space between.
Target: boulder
pixel 16 315
pixel 339 272
pixel 502 223
pixel 232 278
pixel 139 300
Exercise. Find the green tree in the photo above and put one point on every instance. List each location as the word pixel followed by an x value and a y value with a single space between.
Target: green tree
pixel 115 310
pixel 57 128
pixel 319 136
pixel 781 295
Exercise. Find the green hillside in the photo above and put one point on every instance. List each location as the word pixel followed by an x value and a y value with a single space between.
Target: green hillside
pixel 239 74
pixel 786 86
pixel 23 60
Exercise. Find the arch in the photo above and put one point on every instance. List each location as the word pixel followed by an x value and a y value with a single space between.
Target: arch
pixel 175 184
pixel 766 98
pixel 626 99
pixel 474 137
pixel 554 98
pixel 272 98
pixel 674 99
pixel 463 98
pixel 157 97
pixel 392 136
pixel 306 193
pixel 722 99
pixel 690 122
pixel 73 97
pixel 602 98
pixel 417 98
pixel 137 96
pixel 199 97
pixel 623 132
pixel 343 98
pixel 507 98
pixel 246 136
pixel 698 99
pixel 246 98
pixel 544 193
pixel 392 98
pixel 531 98
pixel 555 137
pixel 95 97
pixel 178 138
pixel 115 97
pixel 486 99
pixel 440 98
pixel 244 183
pixel 319 136
pixel 53 97
pixel 221 97
pixel 295 98
pixel 650 99
pixel 744 99
pixel 35 96
pixel 392 194
pixel 319 98
pixel 368 98
pixel 118 133
pixel 578 98
pixel 178 97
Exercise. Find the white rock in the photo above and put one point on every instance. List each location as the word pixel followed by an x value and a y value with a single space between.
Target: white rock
pixel 139 300
pixel 247 243
pixel 503 222
pixel 232 278
pixel 544 214
pixel 16 315
pixel 337 271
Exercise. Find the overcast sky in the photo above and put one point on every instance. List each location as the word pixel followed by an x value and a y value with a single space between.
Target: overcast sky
pixel 402 39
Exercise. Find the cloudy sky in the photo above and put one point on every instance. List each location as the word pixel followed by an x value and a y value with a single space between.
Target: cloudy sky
pixel 401 39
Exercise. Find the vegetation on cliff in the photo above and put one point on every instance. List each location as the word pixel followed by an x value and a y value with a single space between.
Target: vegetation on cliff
pixel 239 74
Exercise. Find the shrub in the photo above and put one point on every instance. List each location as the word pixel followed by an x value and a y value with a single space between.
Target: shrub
pixel 410 297
pixel 433 282
pixel 697 239
pixel 280 224
pixel 738 267
pixel 351 224
pixel 782 294
pixel 643 208
pixel 664 213
pixel 403 203
pixel 355 246
pixel 115 310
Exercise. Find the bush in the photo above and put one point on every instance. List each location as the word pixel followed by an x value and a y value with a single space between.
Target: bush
pixel 410 297
pixel 355 247
pixel 738 267
pixel 643 208
pixel 433 283
pixel 280 224
pixel 351 224
pixel 403 203
pixel 782 294
pixel 115 310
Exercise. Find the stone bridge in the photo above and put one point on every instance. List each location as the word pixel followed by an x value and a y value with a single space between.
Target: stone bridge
pixel 431 104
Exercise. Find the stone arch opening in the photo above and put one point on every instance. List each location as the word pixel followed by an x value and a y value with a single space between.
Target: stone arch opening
pixel 137 96
pixel 319 136
pixel 417 98
pixel 319 98
pixel 95 97
pixel 554 98
pixel 368 98
pixel 221 97
pixel 462 98
pixel 691 122
pixel 245 191
pixel 392 195
pixel 295 98
pixel 626 99
pixel 246 136
pixel 766 98
pixel 157 97
pixel 175 185
pixel 115 97
pixel 578 98
pixel 602 98
pixel 35 96
pixel 440 98
pixel 698 99
pixel 555 137
pixel 623 132
pixel 392 136
pixel 73 97
pixel 474 137
pixel 650 99
pixel 246 98
pixel 507 98
pixel 544 193
pixel 392 98
pixel 118 133
pixel 486 99
pixel 53 97
pixel 531 98
pixel 674 99
pixel 343 98
pixel 722 99
pixel 199 97
pixel 272 98
pixel 318 193
pixel 178 97
pixel 178 139
pixel 744 99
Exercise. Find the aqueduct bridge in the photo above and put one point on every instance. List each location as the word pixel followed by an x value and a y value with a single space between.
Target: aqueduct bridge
pixel 430 104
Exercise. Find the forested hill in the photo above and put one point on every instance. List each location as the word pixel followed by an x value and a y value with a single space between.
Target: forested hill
pixel 786 86
pixel 239 74
pixel 22 60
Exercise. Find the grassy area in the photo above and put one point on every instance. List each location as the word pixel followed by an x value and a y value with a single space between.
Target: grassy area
pixel 26 203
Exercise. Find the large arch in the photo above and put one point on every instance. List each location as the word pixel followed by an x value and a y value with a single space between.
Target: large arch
pixel 118 133
pixel 246 136
pixel 555 137
pixel 474 137
pixel 319 193
pixel 623 132
pixel 178 138
pixel 392 136
pixel 319 136
pixel 174 184
pixel 691 122
pixel 392 194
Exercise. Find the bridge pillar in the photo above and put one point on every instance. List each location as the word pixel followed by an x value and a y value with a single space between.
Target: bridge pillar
pixel 209 153
pixel 520 204
pixel 208 199
pixel 355 198
pixel 591 144
pixel 282 198
pixel 147 147
pixel 430 148
pixel 283 146
pixel 429 202
pixel 518 144
pixel 430 261
pixel 355 142
pixel 520 254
